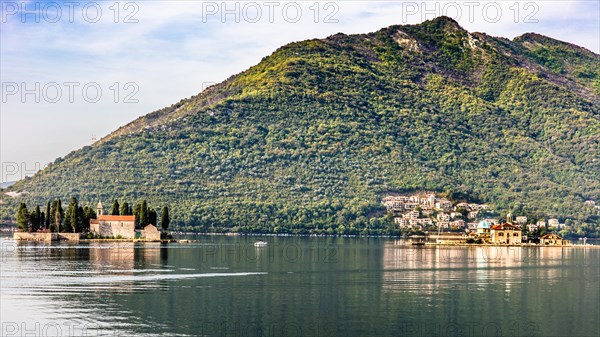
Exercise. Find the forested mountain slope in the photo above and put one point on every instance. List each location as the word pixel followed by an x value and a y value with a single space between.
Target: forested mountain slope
pixel 314 134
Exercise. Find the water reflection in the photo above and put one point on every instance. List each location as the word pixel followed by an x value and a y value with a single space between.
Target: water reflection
pixel 462 283
pixel 408 267
pixel 299 286
pixel 115 256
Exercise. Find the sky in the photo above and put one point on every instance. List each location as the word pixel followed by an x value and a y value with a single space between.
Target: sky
pixel 74 71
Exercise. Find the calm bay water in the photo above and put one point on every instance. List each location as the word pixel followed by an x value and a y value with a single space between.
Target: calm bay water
pixel 224 286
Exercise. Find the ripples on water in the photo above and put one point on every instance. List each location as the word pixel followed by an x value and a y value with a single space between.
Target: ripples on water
pixel 296 286
pixel 58 289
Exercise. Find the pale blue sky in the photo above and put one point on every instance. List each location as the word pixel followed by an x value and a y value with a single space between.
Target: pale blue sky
pixel 178 47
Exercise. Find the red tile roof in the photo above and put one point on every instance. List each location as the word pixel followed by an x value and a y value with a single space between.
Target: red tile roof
pixel 505 226
pixel 116 218
pixel 551 236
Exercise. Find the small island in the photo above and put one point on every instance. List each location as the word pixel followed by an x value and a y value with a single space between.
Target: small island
pixel 124 223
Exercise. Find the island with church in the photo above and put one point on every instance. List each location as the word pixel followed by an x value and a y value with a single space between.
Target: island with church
pixel 122 223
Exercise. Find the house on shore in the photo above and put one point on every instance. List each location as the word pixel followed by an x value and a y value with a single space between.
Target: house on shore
pixel 553 240
pixel 150 233
pixel 505 234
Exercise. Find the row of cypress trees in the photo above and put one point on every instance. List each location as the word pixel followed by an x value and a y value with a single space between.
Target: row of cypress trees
pixel 56 219
pixel 76 218
pixel 144 215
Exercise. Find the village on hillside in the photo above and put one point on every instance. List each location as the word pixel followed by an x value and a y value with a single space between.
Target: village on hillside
pixel 466 222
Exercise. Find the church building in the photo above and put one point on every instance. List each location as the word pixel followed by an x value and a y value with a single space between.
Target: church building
pixel 112 226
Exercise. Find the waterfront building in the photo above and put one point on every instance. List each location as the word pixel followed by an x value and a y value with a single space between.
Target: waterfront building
pixel 113 226
pixel 120 226
pixel 553 240
pixel 505 234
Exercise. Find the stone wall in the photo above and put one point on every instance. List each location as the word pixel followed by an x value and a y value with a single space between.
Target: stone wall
pixel 114 229
pixel 24 236
pixel 95 228
pixel 150 233
pixel 32 236
pixel 68 236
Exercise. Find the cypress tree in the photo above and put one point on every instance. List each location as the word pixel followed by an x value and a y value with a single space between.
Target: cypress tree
pixel 137 213
pixel 32 220
pixel 115 208
pixel 152 217
pixel 144 214
pixel 88 214
pixel 52 217
pixel 58 215
pixel 71 216
pixel 80 226
pixel 36 219
pixel 125 208
pixel 23 217
pixel 57 222
pixel 47 220
pixel 67 218
pixel 164 221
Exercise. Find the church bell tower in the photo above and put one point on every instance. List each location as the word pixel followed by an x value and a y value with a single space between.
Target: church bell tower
pixel 99 209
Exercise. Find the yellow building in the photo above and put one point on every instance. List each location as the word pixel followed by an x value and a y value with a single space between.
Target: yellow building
pixel 505 234
pixel 553 240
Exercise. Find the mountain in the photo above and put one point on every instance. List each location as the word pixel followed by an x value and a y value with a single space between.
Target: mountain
pixel 6 184
pixel 313 136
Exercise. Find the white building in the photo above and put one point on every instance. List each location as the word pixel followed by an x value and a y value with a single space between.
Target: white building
pixel 443 224
pixel 443 205
pixel 533 227
pixel 521 220
pixel 454 215
pixel 411 215
pixel 457 224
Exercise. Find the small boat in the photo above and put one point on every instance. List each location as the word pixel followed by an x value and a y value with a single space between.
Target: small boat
pixel 260 243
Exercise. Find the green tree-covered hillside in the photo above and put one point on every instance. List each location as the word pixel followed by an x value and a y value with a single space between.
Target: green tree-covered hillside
pixel 314 135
